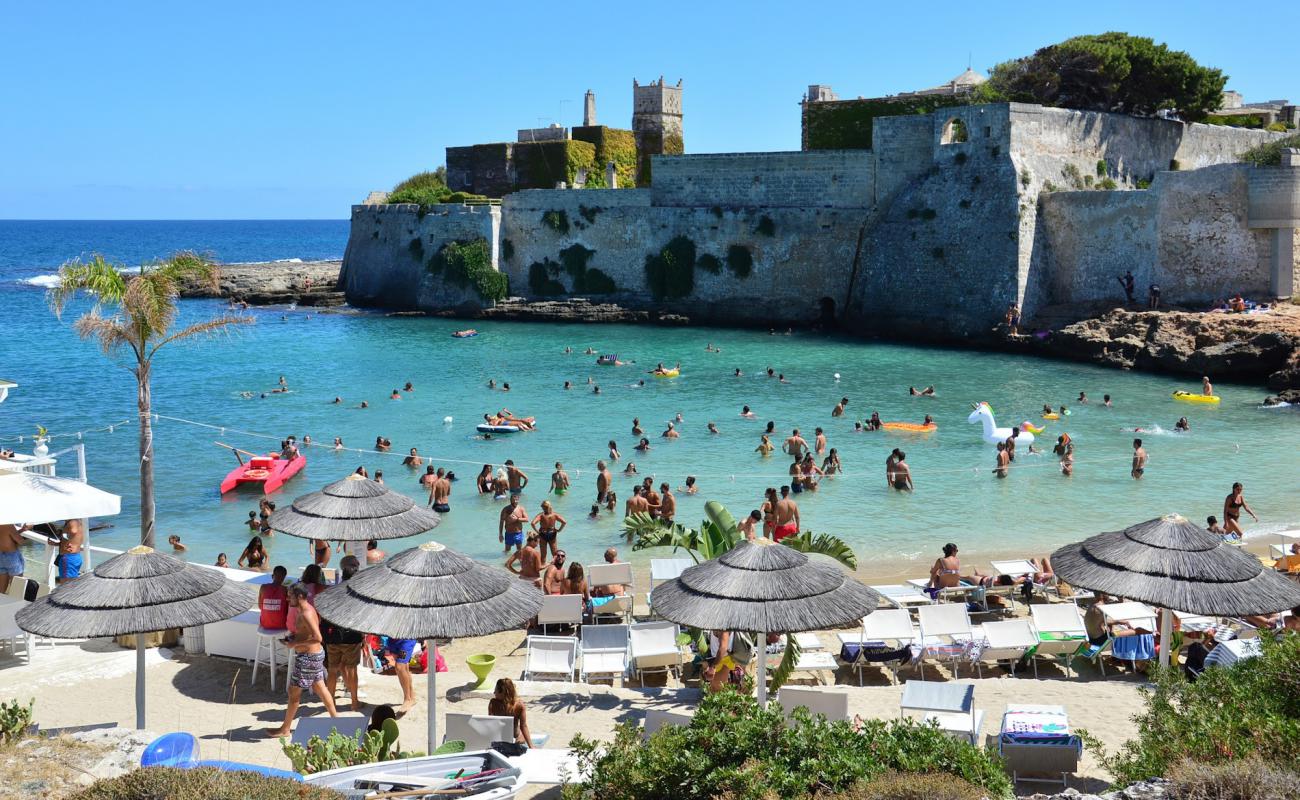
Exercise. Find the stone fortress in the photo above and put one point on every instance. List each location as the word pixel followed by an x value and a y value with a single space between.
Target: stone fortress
pixel 945 219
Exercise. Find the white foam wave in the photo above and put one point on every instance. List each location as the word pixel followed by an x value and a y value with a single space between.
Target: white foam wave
pixel 51 280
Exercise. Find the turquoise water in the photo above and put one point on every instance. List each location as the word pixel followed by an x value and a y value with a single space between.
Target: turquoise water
pixel 68 386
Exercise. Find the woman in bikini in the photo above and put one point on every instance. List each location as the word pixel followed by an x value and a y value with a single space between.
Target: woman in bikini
pixel 484 481
pixel 320 552
pixel 548 525
pixel 946 571
pixel 1232 508
pixel 254 556
pixel 768 510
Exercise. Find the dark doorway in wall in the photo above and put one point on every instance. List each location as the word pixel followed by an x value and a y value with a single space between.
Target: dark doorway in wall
pixel 826 308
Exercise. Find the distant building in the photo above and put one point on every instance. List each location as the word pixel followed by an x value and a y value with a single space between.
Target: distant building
pixel 1233 108
pixel 830 123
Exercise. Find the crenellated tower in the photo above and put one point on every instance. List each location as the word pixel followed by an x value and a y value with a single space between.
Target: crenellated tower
pixel 656 122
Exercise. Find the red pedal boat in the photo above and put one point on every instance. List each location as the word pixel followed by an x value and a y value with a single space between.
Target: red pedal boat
pixel 269 470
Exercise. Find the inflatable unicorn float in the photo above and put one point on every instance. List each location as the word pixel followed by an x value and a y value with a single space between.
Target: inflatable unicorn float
pixel 983 413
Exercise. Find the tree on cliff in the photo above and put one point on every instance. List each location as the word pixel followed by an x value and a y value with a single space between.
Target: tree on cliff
pixel 143 309
pixel 1109 72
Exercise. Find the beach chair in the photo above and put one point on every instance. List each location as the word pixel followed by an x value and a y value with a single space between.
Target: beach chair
pixel 1060 631
pixel 350 725
pixel 951 706
pixel 560 609
pixel 832 705
pixel 656 719
pixel 478 732
pixel 945 631
pixel 1008 640
pixel 653 648
pixel 551 655
pixel 604 651
pixel 886 627
pixel 619 606
pixel 1036 739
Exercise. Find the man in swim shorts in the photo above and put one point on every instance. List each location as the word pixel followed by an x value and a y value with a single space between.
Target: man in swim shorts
pixel 1139 460
pixel 548 525
pixel 440 492
pixel 529 560
pixel 510 524
pixel 12 564
pixel 70 542
pixel 309 660
pixel 796 445
pixel 516 477
pixel 401 651
pixel 787 516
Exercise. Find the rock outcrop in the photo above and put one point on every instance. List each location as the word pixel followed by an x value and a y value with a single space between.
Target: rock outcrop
pixel 1242 347
pixel 307 283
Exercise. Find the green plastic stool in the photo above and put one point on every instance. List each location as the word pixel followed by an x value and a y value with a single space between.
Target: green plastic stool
pixel 481 665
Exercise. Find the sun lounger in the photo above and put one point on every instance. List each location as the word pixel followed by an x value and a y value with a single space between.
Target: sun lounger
pixel 347 724
pixel 961 593
pixel 1060 631
pixel 478 732
pixel 817 663
pixel 618 606
pixel 834 705
pixel 1008 640
pixel 1036 740
pixel 656 719
pixel 604 651
pixel 653 648
pixel 945 631
pixel 900 596
pixel 551 655
pixel 884 639
pixel 560 609
pixel 951 706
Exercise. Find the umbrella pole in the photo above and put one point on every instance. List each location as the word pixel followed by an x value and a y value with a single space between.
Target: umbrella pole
pixel 1166 636
pixel 431 650
pixel 139 681
pixel 762 665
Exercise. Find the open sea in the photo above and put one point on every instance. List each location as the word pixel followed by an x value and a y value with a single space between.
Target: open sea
pixel 70 388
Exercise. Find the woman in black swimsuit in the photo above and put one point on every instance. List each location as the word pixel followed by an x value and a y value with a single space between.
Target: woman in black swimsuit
pixel 1232 507
pixel 254 556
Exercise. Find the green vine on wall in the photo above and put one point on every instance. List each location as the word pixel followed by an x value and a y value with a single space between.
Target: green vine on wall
pixel 557 221
pixel 710 263
pixel 740 260
pixel 469 263
pixel 765 226
pixel 670 273
pixel 847 124
pixel 541 278
pixel 507 249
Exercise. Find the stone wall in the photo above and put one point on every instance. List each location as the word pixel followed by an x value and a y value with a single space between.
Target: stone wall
pixel 389 247
pixel 828 179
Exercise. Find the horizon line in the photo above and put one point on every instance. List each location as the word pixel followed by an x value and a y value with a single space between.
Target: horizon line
pixel 176 219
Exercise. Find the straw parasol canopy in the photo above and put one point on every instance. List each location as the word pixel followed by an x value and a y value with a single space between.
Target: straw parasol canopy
pixel 1173 563
pixel 430 592
pixel 761 586
pixel 136 592
pixel 355 509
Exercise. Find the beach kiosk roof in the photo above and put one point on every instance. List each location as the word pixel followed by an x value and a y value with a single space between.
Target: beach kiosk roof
pixel 430 592
pixel 762 586
pixel 355 509
pixel 136 592
pixel 1175 564
pixel 34 498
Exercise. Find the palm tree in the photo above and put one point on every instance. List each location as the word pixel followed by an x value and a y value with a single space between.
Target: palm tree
pixel 717 534
pixel 143 308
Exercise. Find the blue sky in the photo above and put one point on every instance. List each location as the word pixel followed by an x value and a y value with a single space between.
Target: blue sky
pixel 238 110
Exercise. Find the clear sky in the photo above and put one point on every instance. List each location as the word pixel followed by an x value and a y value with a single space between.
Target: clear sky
pixel 294 110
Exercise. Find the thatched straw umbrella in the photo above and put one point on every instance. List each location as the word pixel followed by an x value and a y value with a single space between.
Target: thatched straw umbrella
pixel 355 509
pixel 761 586
pixel 430 592
pixel 137 592
pixel 1175 564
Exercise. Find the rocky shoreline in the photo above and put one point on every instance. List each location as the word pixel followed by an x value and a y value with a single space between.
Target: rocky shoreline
pixel 305 283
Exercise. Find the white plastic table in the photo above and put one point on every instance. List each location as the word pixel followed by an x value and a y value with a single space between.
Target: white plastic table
pixel 233 638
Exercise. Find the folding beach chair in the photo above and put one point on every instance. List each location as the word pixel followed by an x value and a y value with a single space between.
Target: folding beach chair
pixel 619 606
pixel 951 706
pixel 551 655
pixel 653 648
pixel 604 651
pixel 656 719
pixel 1036 739
pixel 1060 631
pixel 945 630
pixel 560 609
pixel 1008 640
pixel 888 627
pixel 478 732
pixel 834 705
pixel 350 725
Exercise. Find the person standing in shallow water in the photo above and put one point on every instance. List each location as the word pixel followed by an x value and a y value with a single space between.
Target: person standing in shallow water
pixel 1139 466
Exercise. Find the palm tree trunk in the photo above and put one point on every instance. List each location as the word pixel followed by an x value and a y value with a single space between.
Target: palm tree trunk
pixel 144 402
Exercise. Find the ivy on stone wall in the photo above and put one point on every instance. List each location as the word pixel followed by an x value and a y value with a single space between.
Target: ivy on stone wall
pixel 611 144
pixel 670 273
pixel 507 249
pixel 416 249
pixel 589 213
pixel 846 124
pixel 575 258
pixel 710 263
pixel 740 260
pixel 596 282
pixel 556 220
pixel 765 226
pixel 541 278
pixel 469 263
pixel 541 165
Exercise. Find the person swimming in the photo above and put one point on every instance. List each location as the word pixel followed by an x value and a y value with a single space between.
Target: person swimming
pixel 926 392
pixel 746 413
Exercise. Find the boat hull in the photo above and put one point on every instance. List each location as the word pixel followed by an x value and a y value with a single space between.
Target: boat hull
pixel 269 472
pixel 504 782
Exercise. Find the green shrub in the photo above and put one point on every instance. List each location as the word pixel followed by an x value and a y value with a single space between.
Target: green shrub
pixel 204 783
pixel 911 786
pixel 739 260
pixel 960 158
pixel 710 263
pixel 424 188
pixel 15 719
pixel 1024 178
pixel 716 211
pixel 597 282
pixel 1107 184
pixel 1102 169
pixel 1175 164
pixel 1268 154
pixel 469 263
pixel 1277 127
pixel 1237 120
pixel 765 226
pixel 731 748
pixel 1143 183
pixel 1249 779
pixel 416 248
pixel 671 272
pixel 847 124
pixel 1073 175
pixel 507 249
pixel 557 221
pixel 589 213
pixel 928 214
pixel 541 278
pixel 1249 709
pixel 966 203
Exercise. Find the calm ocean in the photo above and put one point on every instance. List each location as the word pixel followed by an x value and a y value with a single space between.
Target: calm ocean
pixel 67 386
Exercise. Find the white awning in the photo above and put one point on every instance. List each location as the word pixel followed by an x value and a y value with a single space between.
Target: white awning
pixel 32 498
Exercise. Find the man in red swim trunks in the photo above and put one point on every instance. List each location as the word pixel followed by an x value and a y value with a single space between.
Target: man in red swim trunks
pixel 787 516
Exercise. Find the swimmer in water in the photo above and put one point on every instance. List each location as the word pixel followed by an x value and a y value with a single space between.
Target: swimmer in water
pixel 781 378
pixel 636 426
pixel 746 413
pixel 595 512
pixel 765 447
pixel 337 400
pixel 492 384
pixel 670 432
pixel 643 445
pixel 595 389
pixel 409 387
pixel 926 392
pixel 1207 388
pixel 1105 400
pixel 567 385
pixel 713 428
pixel 1182 424
pixel 630 469
pixel 1083 398
pixel 838 411
pixel 364 404
pixel 395 395
pixel 690 487
pixel 738 373
pixel 679 419
pixel 874 424
pixel 559 479
pixel 338 443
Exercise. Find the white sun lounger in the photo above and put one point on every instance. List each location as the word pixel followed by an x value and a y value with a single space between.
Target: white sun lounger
pixel 1062 625
pixel 834 705
pixel 653 648
pixel 604 651
pixel 1007 640
pixel 560 609
pixel 888 625
pixel 949 705
pixel 478 732
pixel 944 624
pixel 551 655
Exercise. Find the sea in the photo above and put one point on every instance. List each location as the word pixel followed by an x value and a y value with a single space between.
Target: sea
pixel 218 389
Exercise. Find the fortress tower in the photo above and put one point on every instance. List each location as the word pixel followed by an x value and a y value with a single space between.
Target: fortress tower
pixel 656 122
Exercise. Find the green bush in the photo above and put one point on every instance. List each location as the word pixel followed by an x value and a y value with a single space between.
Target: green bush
pixel 960 158
pixel 469 263
pixel 204 783
pixel 1107 184
pixel 1249 779
pixel 589 213
pixel 557 221
pixel 910 786
pixel 507 249
pixel 710 263
pixel 1237 120
pixel 731 748
pixel 1268 154
pixel 15 719
pixel 847 124
pixel 671 271
pixel 1251 709
pixel 1277 127
pixel 596 282
pixel 739 260
pixel 416 248
pixel 765 226
pixel 541 278
pixel 425 188
pixel 1102 169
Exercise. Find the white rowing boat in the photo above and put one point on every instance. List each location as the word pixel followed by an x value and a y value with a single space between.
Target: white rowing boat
pixel 481 774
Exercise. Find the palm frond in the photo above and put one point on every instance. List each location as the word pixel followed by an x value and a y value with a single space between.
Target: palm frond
pixel 108 332
pixel 823 544
pixel 783 671
pixel 98 276
pixel 209 327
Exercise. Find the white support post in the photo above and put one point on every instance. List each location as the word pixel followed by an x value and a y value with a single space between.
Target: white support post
pixel 431 649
